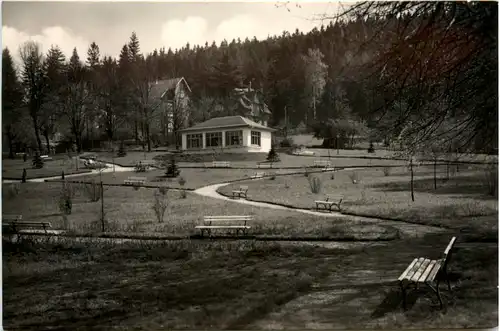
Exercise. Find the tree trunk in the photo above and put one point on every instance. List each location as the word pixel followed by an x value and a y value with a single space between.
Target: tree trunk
pixel 78 141
pixel 11 145
pixel 435 177
pixel 136 132
pixel 411 181
pixel 148 136
pixel 47 141
pixel 37 134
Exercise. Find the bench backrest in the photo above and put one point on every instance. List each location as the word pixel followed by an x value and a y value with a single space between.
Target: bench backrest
pixel 448 250
pixel 220 162
pixel 142 179
pixel 227 218
pixel 12 218
pixel 334 197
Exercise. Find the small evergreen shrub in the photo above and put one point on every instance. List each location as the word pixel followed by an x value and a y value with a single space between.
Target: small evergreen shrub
pixel 371 149
pixel 37 162
pixel 172 169
pixel 272 156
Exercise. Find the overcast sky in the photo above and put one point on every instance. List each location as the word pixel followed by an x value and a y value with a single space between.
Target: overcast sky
pixel 157 24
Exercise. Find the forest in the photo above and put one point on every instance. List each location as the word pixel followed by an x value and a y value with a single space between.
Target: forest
pixel 419 75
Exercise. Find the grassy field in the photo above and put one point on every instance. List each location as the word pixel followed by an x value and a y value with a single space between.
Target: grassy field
pixel 130 211
pixel 459 203
pixel 194 178
pixel 238 285
pixel 242 160
pixel 13 169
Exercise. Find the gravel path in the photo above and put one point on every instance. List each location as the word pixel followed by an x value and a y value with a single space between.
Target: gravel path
pixel 109 168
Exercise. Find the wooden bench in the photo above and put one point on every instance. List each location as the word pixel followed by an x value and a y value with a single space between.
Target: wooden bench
pixel 426 271
pixel 258 174
pixel 135 180
pixel 321 163
pixel 13 224
pixel 46 157
pixel 224 219
pixel 264 165
pixel 329 202
pixel 241 192
pixel 221 164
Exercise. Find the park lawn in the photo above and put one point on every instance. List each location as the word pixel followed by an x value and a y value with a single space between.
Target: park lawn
pixel 13 169
pixel 194 178
pixel 238 285
pixel 238 160
pixel 459 203
pixel 130 211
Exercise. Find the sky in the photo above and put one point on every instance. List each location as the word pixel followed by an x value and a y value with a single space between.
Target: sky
pixel 157 24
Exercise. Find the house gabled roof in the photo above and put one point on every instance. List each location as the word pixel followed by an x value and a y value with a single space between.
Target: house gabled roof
pixel 161 87
pixel 227 122
pixel 245 96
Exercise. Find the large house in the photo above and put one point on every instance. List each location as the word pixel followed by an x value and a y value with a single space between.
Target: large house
pixel 232 133
pixel 170 95
pixel 250 103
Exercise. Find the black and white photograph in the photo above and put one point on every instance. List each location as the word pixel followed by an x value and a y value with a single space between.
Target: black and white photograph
pixel 249 165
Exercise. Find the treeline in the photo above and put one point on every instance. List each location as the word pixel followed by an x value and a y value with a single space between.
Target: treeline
pixel 398 73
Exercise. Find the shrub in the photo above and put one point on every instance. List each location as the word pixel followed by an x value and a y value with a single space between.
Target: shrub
pixel 66 198
pixel 315 184
pixel 139 167
pixel 93 191
pixel 121 150
pixel 37 161
pixel 182 181
pixel 172 169
pixel 272 156
pixel 371 149
pixel 491 179
pixel 386 170
pixel 287 142
pixel 160 203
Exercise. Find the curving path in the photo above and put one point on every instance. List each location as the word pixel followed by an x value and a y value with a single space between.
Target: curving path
pixel 109 168
pixel 408 229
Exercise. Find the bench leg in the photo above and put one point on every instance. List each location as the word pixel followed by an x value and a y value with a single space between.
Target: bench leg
pixel 403 292
pixel 436 290
pixel 444 274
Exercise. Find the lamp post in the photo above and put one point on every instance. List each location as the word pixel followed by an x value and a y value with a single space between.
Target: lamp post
pixel 102 200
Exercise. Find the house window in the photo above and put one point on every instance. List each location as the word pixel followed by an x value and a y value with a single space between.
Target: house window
pixel 234 138
pixel 214 139
pixel 194 140
pixel 256 138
